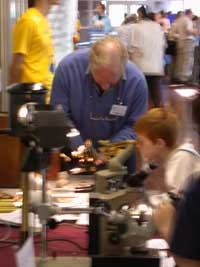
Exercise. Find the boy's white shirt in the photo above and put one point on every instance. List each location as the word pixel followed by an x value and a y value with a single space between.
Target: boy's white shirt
pixel 182 162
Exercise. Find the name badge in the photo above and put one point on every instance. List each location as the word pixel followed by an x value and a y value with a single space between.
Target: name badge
pixel 118 110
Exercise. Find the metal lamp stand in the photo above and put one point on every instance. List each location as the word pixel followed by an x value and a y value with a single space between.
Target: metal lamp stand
pixel 35 159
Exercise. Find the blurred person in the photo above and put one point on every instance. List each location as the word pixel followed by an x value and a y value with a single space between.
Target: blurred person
pixel 179 225
pixel 171 49
pixel 164 22
pixel 172 32
pixel 132 18
pixel 184 32
pixel 102 93
pixel 179 14
pixel 157 133
pixel 195 21
pixel 32 48
pixel 124 31
pixel 196 65
pixel 76 35
pixel 101 21
pixel 125 15
pixel 147 52
pixel 187 221
pixel 161 18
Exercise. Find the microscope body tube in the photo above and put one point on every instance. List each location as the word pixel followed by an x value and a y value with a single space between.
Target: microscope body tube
pixel 44 211
pixel 116 163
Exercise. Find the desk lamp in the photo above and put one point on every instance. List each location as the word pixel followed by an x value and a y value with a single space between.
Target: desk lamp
pixel 41 128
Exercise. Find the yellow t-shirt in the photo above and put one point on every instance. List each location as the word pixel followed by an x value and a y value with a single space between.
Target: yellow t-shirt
pixel 32 38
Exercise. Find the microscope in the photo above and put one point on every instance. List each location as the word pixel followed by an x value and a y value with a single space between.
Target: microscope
pixel 118 236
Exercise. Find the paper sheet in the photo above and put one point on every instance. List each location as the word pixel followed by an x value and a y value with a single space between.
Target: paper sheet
pixel 25 257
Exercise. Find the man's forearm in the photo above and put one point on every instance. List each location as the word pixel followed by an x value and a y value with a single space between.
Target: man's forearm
pixel 16 68
pixel 164 219
pixel 125 133
pixel 15 74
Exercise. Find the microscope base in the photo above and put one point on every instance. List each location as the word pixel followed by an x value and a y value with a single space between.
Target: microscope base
pixel 65 261
pixel 100 229
pixel 126 261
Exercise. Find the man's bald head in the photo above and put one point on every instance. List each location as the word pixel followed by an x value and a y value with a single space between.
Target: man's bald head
pixel 108 51
pixel 108 58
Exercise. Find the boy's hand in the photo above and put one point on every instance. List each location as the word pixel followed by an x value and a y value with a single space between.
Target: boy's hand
pixel 163 218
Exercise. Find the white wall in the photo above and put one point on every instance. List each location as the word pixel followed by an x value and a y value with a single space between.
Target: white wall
pixel 194 5
pixel 62 19
pixel 175 5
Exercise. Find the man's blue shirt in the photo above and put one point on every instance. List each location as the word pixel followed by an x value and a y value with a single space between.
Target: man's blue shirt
pixel 75 90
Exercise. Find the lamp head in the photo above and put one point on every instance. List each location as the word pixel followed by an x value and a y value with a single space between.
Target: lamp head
pixel 20 95
pixel 30 117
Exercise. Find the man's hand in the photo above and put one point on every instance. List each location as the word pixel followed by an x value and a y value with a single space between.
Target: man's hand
pixel 98 24
pixel 79 152
pixel 100 160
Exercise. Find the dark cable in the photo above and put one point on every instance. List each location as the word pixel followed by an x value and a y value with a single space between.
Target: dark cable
pixel 11 242
pixel 65 240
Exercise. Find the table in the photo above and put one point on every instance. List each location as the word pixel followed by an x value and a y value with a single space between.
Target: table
pixel 65 240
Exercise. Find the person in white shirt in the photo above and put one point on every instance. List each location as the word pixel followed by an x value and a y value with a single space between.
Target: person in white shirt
pixel 147 52
pixel 124 31
pixel 182 162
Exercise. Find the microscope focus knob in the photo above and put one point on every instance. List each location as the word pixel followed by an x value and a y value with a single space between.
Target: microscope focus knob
pixel 51 223
pixel 114 238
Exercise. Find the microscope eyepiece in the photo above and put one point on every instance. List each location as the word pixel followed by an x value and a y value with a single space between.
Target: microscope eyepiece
pixel 137 179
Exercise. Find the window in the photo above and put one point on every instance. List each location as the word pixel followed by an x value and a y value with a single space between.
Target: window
pixel 134 8
pixel 194 5
pixel 116 14
pixel 175 6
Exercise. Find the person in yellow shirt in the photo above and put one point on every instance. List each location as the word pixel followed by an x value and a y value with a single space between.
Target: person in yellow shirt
pixel 32 49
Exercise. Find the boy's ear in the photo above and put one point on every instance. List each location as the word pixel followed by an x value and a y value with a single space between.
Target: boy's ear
pixel 160 142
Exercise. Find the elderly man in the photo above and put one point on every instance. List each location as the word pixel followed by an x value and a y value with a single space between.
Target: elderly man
pixel 32 47
pixel 101 92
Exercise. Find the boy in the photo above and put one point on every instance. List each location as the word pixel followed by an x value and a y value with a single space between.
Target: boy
pixel 158 132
